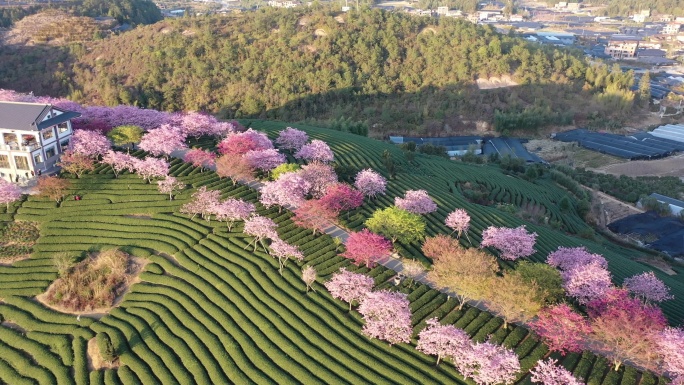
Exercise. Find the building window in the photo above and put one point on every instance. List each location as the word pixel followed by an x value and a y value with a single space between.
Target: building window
pixel 47 134
pixel 4 161
pixel 63 127
pixel 64 144
pixel 37 158
pixel 50 152
pixel 21 162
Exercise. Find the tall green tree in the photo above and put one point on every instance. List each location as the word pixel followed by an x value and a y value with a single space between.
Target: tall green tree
pixel 645 88
pixel 397 224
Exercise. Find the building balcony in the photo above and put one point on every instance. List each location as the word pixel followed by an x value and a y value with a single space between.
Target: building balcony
pixel 16 147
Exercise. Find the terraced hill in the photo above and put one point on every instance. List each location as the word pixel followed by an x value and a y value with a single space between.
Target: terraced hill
pixel 208 311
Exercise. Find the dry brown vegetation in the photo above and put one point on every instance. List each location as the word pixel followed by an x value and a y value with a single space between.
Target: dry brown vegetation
pixel 93 283
pixel 54 27
pixel 17 240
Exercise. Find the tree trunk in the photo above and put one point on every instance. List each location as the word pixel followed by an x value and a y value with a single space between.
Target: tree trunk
pixel 617 365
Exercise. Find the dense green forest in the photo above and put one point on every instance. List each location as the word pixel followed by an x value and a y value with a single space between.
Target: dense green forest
pixel 389 71
pixel 125 11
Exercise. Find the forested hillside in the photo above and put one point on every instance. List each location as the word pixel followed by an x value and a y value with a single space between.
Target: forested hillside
pixel 389 71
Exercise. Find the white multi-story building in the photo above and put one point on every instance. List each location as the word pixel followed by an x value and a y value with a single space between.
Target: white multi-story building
pixel 32 137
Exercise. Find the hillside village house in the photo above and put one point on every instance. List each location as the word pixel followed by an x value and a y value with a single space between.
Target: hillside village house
pixel 32 136
pixel 622 49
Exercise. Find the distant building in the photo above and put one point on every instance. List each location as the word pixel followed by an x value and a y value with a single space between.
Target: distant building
pixel 665 18
pixel 622 49
pixel 574 6
pixel 32 137
pixel 672 28
pixel 442 11
pixel 648 52
pixel 284 4
pixel 515 18
pixel 639 18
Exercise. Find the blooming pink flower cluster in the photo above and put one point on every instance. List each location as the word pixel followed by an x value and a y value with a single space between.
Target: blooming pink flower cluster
pixel 89 143
pixel 562 329
pixel 232 210
pixel 163 140
pixel 585 275
pixel 349 287
pixel 387 316
pixel 169 185
pixel 288 190
pixel 416 202
pixel 487 363
pixel 648 287
pixel 283 251
pixel 512 243
pixel 548 373
pixel 204 203
pixel 366 247
pixel 342 197
pixel 442 340
pixel 264 160
pixel 370 183
pixel 320 176
pixel 9 192
pixel 291 139
pixel 459 221
pixel 200 158
pixel 119 161
pixel 239 143
pixel 316 151
pixel 567 258
pixel 151 167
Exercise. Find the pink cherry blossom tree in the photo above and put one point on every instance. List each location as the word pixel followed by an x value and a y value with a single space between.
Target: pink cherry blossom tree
pixel 234 167
pixel 348 286
pixel 416 201
pixel 567 258
pixel 169 185
pixel 203 202
pixel 387 316
pixel 240 143
pixel 648 287
pixel 289 190
pixel 291 139
pixel 260 228
pixel 313 215
pixel 370 183
pixel 316 151
pixel 587 282
pixel 232 210
pixel 459 221
pixel 163 140
pixel 511 243
pixel 548 373
pixel 9 192
pixel 92 144
pixel 264 160
pixel 151 167
pixel 284 252
pixel 200 158
pixel 197 124
pixel 561 328
pixel 670 342
pixel 321 176
pixel 488 364
pixel 624 329
pixel 119 161
pixel 76 163
pixel 342 197
pixel 442 340
pixel 309 277
pixel 366 247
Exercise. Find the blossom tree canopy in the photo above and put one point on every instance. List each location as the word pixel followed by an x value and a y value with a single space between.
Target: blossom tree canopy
pixel 670 342
pixel 459 221
pixel 234 167
pixel 321 176
pixel 568 258
pixel 370 183
pixel 53 187
pixel 200 158
pixel 76 163
pixel 366 247
pixel 231 210
pixel 416 202
pixel 348 286
pixel 197 124
pixel 387 316
pixel 163 140
pixel 561 328
pixel 488 364
pixel 313 215
pixel 119 161
pixel 284 251
pixel 289 190
pixel 9 192
pixel 341 197
pixel 264 160
pixel 441 247
pixel 316 151
pixel 625 329
pixel 512 243
pixel 239 143
pixel 587 282
pixel 168 185
pixel 648 287
pixel 308 276
pixel 292 139
pixel 89 143
pixel 203 202
pixel 151 167
pixel 260 228
pixel 548 373
pixel 442 340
